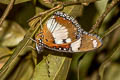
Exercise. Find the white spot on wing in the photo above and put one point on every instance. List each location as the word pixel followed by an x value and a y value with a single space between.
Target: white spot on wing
pixel 68 40
pixel 76 45
pixel 59 48
pixel 64 48
pixel 94 43
pixel 58 41
pixel 91 39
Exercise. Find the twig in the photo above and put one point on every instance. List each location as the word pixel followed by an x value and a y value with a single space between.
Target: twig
pixel 5 56
pixel 101 18
pixel 43 13
pixel 66 3
pixel 61 5
pixel 9 7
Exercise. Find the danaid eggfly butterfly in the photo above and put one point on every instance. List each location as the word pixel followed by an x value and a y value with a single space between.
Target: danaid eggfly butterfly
pixel 62 33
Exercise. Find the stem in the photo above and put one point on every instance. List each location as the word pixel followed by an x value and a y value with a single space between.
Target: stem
pixel 79 2
pixel 105 13
pixel 5 56
pixel 43 13
pixel 66 3
pixel 61 5
pixel 9 7
pixel 111 29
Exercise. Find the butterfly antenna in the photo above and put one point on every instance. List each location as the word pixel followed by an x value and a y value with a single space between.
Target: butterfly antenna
pixel 33 40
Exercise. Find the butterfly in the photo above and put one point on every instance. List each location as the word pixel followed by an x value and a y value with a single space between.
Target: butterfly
pixel 62 33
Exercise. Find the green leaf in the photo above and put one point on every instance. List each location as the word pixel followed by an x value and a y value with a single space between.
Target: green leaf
pixel 112 72
pixel 56 69
pixel 84 65
pixel 13 35
pixel 5 53
pixel 24 69
pixel 108 61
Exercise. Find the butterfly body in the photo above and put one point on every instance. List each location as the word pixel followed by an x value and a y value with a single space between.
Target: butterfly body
pixel 63 33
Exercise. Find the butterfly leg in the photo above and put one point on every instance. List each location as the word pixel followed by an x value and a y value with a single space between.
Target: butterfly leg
pixel 39 46
pixel 31 47
pixel 33 40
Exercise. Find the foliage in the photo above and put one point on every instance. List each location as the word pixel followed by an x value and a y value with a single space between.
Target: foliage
pixel 19 61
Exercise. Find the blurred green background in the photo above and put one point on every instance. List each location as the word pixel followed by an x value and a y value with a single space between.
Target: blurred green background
pixel 28 65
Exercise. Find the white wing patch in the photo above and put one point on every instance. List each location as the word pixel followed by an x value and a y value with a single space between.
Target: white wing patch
pixel 58 41
pixel 50 22
pixel 94 43
pixel 58 31
pixel 68 40
pixel 76 45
